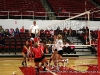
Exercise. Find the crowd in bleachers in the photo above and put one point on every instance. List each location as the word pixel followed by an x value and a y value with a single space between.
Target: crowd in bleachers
pixel 87 39
pixel 12 40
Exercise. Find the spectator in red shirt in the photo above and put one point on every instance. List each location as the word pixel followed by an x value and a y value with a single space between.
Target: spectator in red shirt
pixel 22 29
pixel 72 48
pixel 63 10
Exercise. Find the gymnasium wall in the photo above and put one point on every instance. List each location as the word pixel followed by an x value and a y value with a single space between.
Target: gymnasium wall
pixel 43 24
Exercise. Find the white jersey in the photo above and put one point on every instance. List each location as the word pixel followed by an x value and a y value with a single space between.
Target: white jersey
pixel 59 45
pixel 34 29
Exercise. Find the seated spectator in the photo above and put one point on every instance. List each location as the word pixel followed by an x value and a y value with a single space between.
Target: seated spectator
pixel 16 31
pixel 2 41
pixel 12 32
pixel 65 32
pixel 47 33
pixel 42 33
pixel 58 29
pixel 66 47
pixel 1 31
pixel 72 48
pixel 59 9
pixel 70 31
pixel 52 32
pixel 6 32
pixel 63 10
pixel 22 29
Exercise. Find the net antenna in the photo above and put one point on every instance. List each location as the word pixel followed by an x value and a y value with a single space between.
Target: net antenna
pixel 74 24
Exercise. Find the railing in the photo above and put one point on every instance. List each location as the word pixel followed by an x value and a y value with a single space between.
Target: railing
pixel 45 15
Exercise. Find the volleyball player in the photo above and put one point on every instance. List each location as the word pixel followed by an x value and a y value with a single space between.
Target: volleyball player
pixel 44 49
pixel 25 51
pixel 54 48
pixel 59 49
pixel 37 56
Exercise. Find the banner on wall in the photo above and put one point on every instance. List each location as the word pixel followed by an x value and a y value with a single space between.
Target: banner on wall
pixel 15 22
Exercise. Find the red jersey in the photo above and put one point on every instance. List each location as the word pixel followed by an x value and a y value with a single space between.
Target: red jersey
pixel 37 52
pixel 36 39
pixel 25 50
pixel 42 47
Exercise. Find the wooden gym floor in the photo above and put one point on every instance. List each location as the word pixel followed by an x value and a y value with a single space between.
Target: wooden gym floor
pixel 10 66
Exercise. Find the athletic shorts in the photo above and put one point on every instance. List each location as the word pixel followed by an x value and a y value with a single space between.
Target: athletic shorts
pixel 37 59
pixel 43 56
pixel 60 52
pixel 32 35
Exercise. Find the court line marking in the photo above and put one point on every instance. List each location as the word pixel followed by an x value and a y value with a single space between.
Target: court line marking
pixel 15 72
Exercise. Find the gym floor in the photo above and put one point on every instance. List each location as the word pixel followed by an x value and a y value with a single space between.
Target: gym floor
pixel 10 66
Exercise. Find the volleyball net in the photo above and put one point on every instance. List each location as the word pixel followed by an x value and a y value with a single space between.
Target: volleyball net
pixel 76 23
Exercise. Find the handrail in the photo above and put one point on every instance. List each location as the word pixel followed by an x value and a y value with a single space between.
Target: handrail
pixel 64 14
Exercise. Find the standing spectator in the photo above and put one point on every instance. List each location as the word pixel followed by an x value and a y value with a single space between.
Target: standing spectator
pixel 34 30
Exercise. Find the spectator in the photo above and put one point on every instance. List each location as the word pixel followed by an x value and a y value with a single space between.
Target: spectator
pixel 65 32
pixel 66 47
pixel 59 10
pixel 6 32
pixel 2 41
pixel 42 33
pixel 63 10
pixel 34 30
pixel 47 34
pixel 70 31
pixel 22 29
pixel 52 32
pixel 58 29
pixel 16 31
pixel 12 32
pixel 1 31
pixel 72 48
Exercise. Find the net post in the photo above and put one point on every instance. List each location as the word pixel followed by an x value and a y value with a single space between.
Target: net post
pixel 89 26
pixel 98 48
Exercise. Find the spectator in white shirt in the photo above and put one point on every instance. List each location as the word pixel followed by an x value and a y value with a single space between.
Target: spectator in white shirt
pixel 34 30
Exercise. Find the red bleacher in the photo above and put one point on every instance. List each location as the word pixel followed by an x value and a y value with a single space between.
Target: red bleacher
pixel 72 6
pixel 21 5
